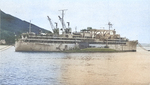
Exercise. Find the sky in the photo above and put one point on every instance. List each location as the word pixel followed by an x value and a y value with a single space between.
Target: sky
pixel 130 18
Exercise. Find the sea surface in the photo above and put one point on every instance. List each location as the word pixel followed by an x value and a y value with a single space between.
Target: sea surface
pixel 51 68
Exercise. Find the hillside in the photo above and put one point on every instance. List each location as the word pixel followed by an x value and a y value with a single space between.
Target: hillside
pixel 11 26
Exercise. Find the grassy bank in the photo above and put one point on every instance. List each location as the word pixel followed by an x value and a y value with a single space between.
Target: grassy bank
pixel 92 50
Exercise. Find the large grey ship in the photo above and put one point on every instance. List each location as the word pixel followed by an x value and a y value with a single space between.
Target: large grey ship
pixel 67 40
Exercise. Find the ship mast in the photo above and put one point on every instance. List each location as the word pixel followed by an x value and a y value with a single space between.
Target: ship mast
pixel 110 26
pixel 30 27
pixel 56 25
pixel 0 26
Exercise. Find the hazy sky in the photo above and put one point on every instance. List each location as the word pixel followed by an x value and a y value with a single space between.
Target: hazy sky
pixel 130 18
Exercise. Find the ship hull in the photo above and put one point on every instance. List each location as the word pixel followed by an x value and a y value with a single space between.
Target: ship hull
pixel 130 46
pixel 32 46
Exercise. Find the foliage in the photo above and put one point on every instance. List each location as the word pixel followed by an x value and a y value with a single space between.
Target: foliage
pixel 8 36
pixel 11 26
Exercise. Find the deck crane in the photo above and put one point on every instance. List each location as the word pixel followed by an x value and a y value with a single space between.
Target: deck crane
pixel 64 28
pixel 55 30
pixel 63 24
pixel 52 26
pixel 62 20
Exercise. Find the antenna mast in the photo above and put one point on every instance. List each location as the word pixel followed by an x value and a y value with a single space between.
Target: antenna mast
pixel 30 27
pixel 110 26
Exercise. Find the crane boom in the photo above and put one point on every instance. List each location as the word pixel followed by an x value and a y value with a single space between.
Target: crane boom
pixel 52 26
pixel 62 21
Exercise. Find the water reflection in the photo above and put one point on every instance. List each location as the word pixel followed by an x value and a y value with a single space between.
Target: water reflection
pixel 131 68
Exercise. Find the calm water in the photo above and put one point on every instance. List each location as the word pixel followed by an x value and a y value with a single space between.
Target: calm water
pixel 30 68
pixel 47 68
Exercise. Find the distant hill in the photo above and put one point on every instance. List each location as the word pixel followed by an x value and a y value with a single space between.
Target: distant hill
pixel 145 44
pixel 11 26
